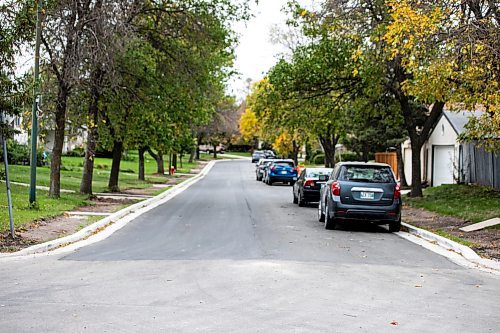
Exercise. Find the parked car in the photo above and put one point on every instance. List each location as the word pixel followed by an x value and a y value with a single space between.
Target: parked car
pixel 307 187
pixel 257 155
pixel 282 171
pixel 366 191
pixel 269 154
pixel 260 167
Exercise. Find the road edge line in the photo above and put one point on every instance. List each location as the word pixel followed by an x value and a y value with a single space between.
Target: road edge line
pixel 105 227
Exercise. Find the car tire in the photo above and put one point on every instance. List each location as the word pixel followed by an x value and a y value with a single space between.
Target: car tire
pixel 329 221
pixel 395 226
pixel 321 215
pixel 301 200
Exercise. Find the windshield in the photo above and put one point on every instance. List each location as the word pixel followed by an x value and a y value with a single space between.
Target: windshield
pixel 315 173
pixel 367 174
pixel 284 163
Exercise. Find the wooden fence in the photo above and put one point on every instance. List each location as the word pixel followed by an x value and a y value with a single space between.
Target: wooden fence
pixel 388 158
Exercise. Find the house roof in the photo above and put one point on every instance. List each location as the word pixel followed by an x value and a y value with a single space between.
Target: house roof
pixel 458 119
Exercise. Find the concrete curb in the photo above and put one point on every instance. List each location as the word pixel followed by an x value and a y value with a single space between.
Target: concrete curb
pixel 108 225
pixel 458 253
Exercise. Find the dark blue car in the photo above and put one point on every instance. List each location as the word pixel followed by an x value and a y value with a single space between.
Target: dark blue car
pixel 281 171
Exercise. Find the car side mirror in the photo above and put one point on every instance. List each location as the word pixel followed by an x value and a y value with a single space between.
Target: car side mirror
pixel 323 178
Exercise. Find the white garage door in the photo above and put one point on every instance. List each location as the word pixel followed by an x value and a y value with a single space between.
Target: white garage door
pixel 443 165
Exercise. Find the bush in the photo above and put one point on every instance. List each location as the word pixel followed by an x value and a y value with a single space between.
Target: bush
pixel 19 154
pixel 319 159
pixel 76 152
pixel 347 157
pixel 2 174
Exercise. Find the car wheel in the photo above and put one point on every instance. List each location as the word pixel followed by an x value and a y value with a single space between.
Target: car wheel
pixel 321 215
pixel 295 200
pixel 395 226
pixel 302 202
pixel 329 221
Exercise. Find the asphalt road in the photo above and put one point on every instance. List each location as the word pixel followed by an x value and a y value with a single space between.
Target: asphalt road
pixel 234 255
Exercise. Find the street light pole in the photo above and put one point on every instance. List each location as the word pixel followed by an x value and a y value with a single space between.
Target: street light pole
pixel 36 102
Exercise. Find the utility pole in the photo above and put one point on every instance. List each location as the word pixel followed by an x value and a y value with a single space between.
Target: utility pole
pixel 3 138
pixel 36 103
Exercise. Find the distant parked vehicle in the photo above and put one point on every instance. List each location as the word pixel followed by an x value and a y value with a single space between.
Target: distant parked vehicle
pixel 308 185
pixel 281 171
pixel 366 191
pixel 257 155
pixel 260 167
pixel 269 154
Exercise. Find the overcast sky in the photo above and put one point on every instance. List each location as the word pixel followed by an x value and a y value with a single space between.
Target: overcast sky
pixel 255 54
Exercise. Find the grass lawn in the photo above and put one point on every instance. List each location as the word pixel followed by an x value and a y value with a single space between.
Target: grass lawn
pixel 71 173
pixel 239 153
pixel 471 203
pixel 47 207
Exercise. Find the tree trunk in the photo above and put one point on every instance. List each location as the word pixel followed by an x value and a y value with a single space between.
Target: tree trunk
pixel 198 153
pixel 174 160
pixel 55 163
pixel 401 166
pixel 192 155
pixel 142 175
pixel 416 172
pixel 160 168
pixel 92 136
pixel 215 151
pixel 328 143
pixel 295 152
pixel 115 167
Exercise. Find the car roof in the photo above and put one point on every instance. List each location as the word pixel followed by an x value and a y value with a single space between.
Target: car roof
pixel 363 164
pixel 317 168
pixel 283 160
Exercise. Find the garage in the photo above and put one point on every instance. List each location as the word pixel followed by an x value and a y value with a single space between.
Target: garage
pixel 442 172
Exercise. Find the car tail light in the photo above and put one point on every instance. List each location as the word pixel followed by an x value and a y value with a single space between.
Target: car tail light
pixel 335 188
pixel 273 168
pixel 397 192
pixel 295 169
pixel 309 183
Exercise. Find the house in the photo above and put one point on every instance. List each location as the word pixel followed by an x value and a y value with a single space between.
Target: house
pixel 445 160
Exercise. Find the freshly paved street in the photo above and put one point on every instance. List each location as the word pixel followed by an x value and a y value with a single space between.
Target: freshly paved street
pixel 234 255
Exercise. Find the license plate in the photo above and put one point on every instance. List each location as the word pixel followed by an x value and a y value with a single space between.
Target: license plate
pixel 284 172
pixel 367 195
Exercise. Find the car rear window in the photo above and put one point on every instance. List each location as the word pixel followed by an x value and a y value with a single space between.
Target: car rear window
pixel 367 174
pixel 315 173
pixel 285 163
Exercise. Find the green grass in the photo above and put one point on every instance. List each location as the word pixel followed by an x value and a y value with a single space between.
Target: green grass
pixel 71 174
pixel 239 153
pixel 46 207
pixel 470 203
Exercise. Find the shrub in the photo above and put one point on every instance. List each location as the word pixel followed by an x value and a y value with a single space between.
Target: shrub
pixel 2 174
pixel 319 159
pixel 19 154
pixel 76 152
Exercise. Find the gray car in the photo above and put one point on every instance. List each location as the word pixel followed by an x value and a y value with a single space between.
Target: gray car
pixel 260 168
pixel 361 191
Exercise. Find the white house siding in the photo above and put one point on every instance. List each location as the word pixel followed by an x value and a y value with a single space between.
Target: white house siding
pixel 442 135
pixel 407 160
pixel 443 151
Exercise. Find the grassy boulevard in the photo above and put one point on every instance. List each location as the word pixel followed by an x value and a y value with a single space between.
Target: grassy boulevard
pixel 71 173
